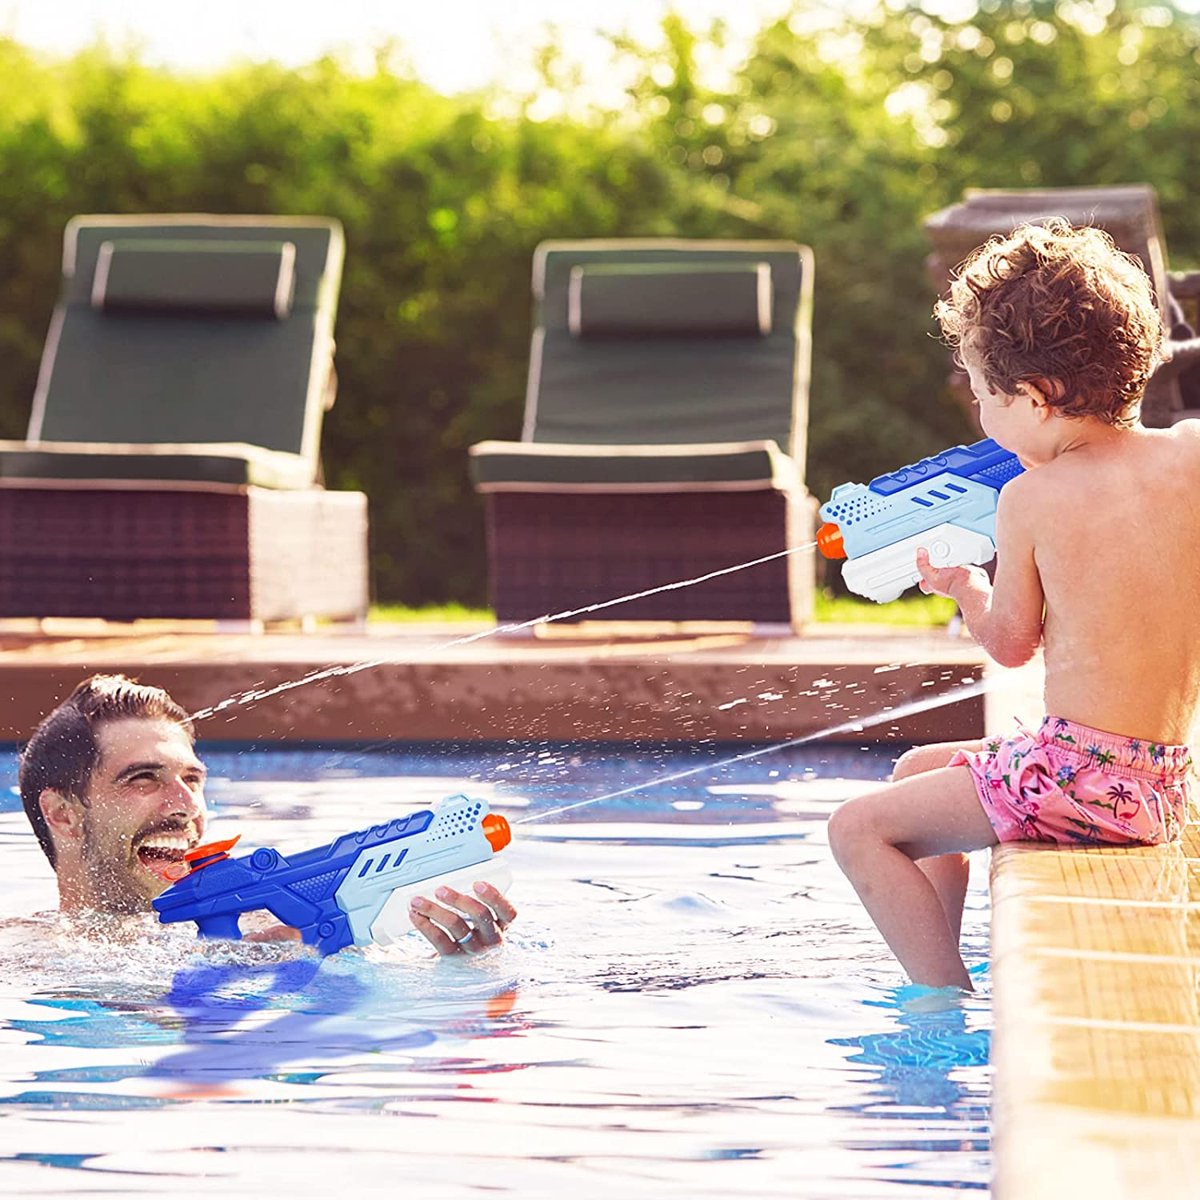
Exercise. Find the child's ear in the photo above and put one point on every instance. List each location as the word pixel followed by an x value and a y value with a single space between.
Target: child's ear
pixel 1041 390
pixel 64 814
pixel 1031 391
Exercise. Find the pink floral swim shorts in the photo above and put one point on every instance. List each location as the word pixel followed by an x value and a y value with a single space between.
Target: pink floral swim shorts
pixel 1073 785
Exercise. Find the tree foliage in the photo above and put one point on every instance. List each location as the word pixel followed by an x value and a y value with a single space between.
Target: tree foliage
pixel 841 132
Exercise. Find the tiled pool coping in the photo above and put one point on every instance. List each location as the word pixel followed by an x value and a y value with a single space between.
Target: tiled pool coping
pixel 1096 968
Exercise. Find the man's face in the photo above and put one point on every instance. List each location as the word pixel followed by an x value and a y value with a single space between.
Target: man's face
pixel 143 810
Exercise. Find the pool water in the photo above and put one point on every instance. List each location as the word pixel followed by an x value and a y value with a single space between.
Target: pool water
pixel 691 1004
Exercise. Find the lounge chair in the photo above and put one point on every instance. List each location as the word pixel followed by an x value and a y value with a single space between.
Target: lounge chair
pixel 171 467
pixel 665 418
pixel 1129 212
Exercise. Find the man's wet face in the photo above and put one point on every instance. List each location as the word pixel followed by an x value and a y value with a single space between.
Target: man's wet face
pixel 143 810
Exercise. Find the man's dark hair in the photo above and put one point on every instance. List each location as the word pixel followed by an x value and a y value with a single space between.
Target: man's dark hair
pixel 62 753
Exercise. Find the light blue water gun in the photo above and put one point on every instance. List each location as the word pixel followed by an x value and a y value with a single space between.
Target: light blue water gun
pixel 354 890
pixel 946 503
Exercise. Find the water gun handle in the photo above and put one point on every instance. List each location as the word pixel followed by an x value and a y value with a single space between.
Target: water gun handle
pixel 219 927
pixel 394 921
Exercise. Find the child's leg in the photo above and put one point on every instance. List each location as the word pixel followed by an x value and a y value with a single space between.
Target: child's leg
pixel 877 839
pixel 949 873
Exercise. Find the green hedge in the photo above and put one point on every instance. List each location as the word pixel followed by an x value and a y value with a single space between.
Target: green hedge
pixel 444 199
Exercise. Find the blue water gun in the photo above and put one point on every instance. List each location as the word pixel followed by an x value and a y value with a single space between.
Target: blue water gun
pixel 946 503
pixel 354 890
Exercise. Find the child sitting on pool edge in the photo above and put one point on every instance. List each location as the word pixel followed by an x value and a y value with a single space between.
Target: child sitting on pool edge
pixel 1097 561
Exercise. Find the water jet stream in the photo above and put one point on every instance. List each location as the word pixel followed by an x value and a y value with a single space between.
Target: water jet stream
pixel 255 694
pixel 964 692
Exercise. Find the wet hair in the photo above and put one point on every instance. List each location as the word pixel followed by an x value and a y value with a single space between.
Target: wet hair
pixel 1061 308
pixel 63 751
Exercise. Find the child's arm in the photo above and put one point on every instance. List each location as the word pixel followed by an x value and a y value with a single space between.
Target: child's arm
pixel 1005 618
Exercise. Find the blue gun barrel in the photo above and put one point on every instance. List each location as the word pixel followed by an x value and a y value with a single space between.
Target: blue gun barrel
pixel 946 502
pixel 335 894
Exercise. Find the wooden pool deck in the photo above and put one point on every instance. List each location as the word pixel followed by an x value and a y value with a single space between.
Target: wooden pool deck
pixel 456 682
pixel 1096 953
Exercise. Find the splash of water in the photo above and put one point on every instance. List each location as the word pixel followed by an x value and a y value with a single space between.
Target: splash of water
pixel 253 695
pixel 964 692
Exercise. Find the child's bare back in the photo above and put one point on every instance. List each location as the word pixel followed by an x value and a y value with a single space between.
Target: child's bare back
pixel 1116 544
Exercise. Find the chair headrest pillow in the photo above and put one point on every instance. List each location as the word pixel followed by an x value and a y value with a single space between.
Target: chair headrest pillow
pixel 670 299
pixel 234 278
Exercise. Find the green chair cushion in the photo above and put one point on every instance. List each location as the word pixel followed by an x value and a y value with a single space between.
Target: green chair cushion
pixel 156 369
pixel 235 465
pixel 247 278
pixel 526 466
pixel 665 299
pixel 688 385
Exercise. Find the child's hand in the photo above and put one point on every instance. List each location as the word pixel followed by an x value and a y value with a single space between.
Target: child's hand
pixel 940 581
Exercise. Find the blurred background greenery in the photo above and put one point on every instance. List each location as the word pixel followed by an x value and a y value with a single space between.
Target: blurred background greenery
pixel 842 132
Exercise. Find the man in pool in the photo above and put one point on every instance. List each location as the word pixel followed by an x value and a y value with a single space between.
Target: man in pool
pixel 114 791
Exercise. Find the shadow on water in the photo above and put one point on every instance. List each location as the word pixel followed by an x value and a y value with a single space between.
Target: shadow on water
pixel 928 1073
pixel 242 1018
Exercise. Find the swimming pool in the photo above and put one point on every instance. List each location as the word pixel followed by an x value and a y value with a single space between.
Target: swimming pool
pixel 691 1004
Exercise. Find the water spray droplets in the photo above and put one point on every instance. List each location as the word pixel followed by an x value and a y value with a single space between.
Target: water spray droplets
pixel 256 694
pixel 967 688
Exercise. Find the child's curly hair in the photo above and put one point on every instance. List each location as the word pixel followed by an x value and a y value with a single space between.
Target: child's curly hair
pixel 1063 309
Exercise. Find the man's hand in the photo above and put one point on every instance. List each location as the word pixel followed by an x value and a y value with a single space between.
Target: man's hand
pixel 462 924
pixel 273 933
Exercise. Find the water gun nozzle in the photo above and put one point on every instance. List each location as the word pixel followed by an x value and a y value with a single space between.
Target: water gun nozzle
pixel 829 541
pixel 205 856
pixel 497 832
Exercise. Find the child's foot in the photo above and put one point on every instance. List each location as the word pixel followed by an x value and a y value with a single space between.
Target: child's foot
pixel 917 998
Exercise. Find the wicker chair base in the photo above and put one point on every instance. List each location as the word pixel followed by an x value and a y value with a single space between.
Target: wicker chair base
pixel 127 552
pixel 549 552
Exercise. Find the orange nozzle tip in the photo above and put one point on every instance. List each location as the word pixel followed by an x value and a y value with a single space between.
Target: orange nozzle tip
pixel 497 832
pixel 212 850
pixel 829 541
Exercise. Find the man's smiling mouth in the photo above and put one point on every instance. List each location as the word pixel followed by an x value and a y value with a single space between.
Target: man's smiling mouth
pixel 162 853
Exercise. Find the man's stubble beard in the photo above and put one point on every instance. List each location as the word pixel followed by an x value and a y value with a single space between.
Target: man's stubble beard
pixel 109 884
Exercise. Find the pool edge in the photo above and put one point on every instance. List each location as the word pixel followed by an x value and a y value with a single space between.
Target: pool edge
pixel 1096 1044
